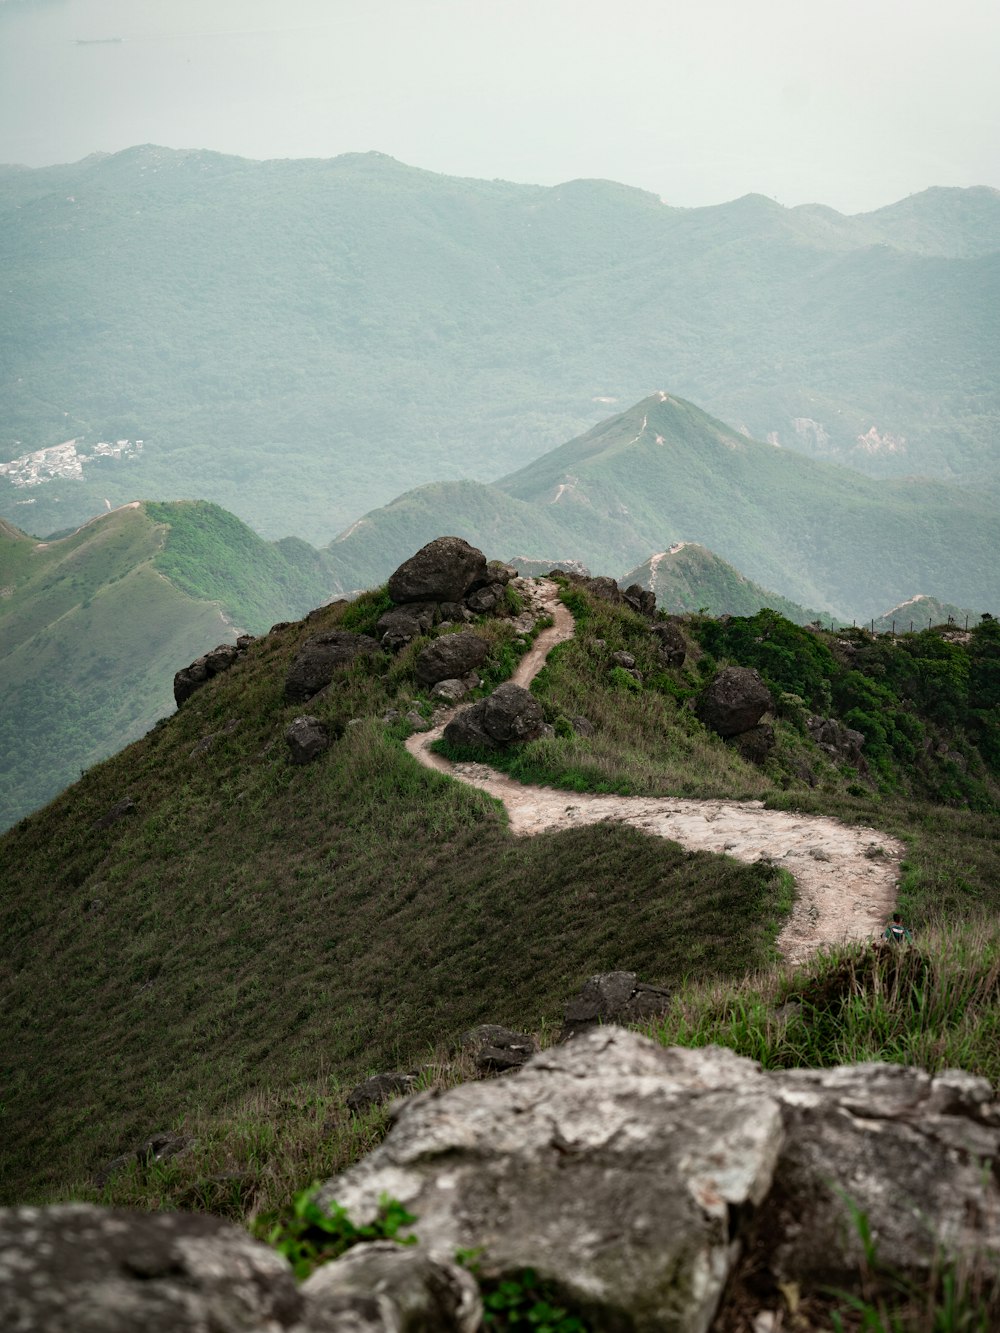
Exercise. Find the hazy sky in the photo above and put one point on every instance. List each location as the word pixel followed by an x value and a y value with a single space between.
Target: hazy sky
pixel 853 103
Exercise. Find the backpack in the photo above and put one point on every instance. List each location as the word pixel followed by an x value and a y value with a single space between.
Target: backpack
pixel 895 932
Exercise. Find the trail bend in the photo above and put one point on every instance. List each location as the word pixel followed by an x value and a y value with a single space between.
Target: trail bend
pixel 845 876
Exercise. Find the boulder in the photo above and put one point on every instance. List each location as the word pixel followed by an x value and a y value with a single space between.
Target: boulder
pixel 756 744
pixel 76 1266
pixel 484 599
pixel 306 738
pixel 625 660
pixel 612 997
pixel 378 1089
pixel 449 691
pixel 734 701
pixel 320 658
pixel 466 728
pixel 840 742
pixel 442 571
pixel 671 642
pixel 512 713
pixel 397 628
pixel 498 1049
pixel 632 1176
pixel 605 587
pixel 640 599
pixel 126 806
pixel 451 656
pixel 202 669
pixel 423 1295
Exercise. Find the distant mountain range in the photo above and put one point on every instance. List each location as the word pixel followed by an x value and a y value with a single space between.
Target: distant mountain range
pixel 666 472
pixel 301 341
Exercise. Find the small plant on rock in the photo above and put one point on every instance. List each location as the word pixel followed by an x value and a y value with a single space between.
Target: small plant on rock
pixel 315 1235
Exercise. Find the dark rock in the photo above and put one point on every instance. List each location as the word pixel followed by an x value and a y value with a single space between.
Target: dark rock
pixel 512 713
pixel 466 728
pixel 103 1270
pixel 840 742
pixel 397 628
pixel 279 626
pixel 159 1147
pixel 202 669
pixel 423 1294
pixel 455 612
pixel 582 726
pixel 640 599
pixel 378 1089
pixel 604 587
pixel 756 744
pixel 497 1049
pixel 119 810
pixel 441 571
pixel 672 644
pixel 243 641
pixel 451 656
pixel 623 660
pixel 449 691
pixel 612 997
pixel 320 658
pixel 306 738
pixel 484 599
pixel 734 701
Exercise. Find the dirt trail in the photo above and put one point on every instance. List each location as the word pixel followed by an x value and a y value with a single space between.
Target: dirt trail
pixel 845 876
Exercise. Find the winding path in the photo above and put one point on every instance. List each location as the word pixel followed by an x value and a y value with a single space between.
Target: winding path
pixel 845 875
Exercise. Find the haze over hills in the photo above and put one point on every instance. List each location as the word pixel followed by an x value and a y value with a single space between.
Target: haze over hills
pixel 302 340
pixel 663 472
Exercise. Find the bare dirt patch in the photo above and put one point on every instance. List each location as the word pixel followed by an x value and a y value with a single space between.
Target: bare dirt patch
pixel 845 876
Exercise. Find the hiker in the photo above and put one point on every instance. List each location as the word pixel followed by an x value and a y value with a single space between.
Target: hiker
pixel 895 932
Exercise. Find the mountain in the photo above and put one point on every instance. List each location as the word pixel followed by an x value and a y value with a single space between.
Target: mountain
pixel 300 341
pixel 197 921
pixel 664 472
pixel 689 577
pixel 921 612
pixel 94 625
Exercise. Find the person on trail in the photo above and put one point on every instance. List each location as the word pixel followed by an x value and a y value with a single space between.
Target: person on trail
pixel 895 932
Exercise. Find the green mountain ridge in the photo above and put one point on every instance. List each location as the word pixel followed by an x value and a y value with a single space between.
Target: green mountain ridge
pixel 689 577
pixel 664 472
pixel 94 626
pixel 301 340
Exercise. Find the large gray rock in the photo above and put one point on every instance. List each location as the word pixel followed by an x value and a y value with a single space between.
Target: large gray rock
pixel 466 728
pixel 734 701
pixel 842 743
pixel 450 657
pixel 632 1176
pixel 76 1268
pixel 320 658
pixel 441 571
pixel 671 642
pixel 378 1089
pixel 424 1295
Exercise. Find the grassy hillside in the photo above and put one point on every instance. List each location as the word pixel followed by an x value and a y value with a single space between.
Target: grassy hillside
pixel 302 340
pixel 94 625
pixel 664 472
pixel 252 927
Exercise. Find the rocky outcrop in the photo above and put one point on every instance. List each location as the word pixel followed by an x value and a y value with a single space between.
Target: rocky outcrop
pixel 612 997
pixel 442 571
pixel 510 714
pixel 632 1176
pixel 734 701
pixel 640 599
pixel 202 669
pixel 840 742
pixel 306 738
pixel 498 1050
pixel 378 1089
pixel 450 657
pixel 320 658
pixel 671 643
pixel 756 744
